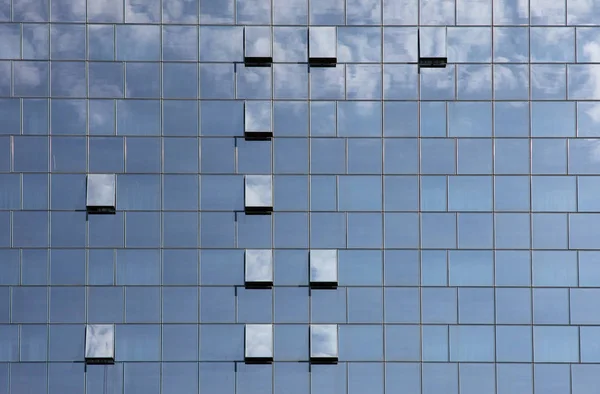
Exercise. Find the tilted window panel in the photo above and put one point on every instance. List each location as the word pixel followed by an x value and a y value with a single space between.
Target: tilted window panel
pixel 258 194
pixel 324 343
pixel 322 46
pixel 258 119
pixel 323 268
pixel 100 344
pixel 258 44
pixel 259 268
pixel 258 346
pixel 101 193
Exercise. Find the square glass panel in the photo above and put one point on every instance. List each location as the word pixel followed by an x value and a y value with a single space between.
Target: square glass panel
pixel 259 343
pixel 323 268
pixel 101 196
pixel 322 47
pixel 258 194
pixel 323 343
pixel 258 45
pixel 259 268
pixel 100 343
pixel 258 120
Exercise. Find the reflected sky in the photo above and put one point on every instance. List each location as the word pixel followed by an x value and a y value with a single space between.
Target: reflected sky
pixel 259 341
pixel 453 208
pixel 259 265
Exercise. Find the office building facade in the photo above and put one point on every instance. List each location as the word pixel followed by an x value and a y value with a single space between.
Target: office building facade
pixel 299 196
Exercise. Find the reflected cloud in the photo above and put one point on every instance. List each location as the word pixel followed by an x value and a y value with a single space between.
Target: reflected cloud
pixel 323 341
pixel 509 12
pixel 68 10
pixel 326 12
pixel 30 10
pixel 511 44
pixel 221 43
pixel 259 341
pixel 258 41
pixel 363 12
pixel 433 41
pixel 216 11
pixel 548 81
pixel 547 12
pixel 400 44
pixel 323 265
pixel 68 42
pixel 400 12
pixel 253 12
pixel 259 265
pixel 363 81
pixel 180 43
pixel 400 82
pixel 67 79
pixel 138 42
pixel 107 11
pixel 474 12
pixel 469 44
pixel 258 116
pixel 552 44
pixel 31 78
pixel 259 191
pixel 290 44
pixel 511 82
pixel 359 44
pixel 328 83
pixel 437 12
pixel 99 341
pixel 437 84
pixel 36 41
pixel 475 82
pixel 582 12
pixel 142 11
pixel 180 11
pixel 100 190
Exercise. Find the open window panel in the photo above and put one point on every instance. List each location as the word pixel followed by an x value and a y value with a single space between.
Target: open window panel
pixel 258 268
pixel 258 346
pixel 433 53
pixel 258 194
pixel 101 194
pixel 323 268
pixel 322 46
pixel 258 120
pixel 258 46
pixel 323 343
pixel 100 344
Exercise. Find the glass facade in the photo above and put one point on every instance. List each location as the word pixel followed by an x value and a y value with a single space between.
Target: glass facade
pixel 283 197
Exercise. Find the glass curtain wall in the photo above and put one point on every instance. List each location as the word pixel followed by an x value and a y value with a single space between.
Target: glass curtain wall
pixel 271 197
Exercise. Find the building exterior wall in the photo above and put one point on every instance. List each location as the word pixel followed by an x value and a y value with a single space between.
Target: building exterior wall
pixel 461 202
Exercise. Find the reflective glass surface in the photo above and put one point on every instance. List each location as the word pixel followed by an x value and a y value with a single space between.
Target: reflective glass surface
pixel 290 182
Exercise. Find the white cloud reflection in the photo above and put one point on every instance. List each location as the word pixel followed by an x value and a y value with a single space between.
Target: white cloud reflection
pixel 323 265
pixel 259 341
pixel 259 265
pixel 323 341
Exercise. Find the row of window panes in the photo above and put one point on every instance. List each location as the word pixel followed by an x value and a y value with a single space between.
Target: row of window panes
pixel 396 44
pixel 285 378
pixel 225 268
pixel 328 12
pixel 355 305
pixel 354 118
pixel 474 343
pixel 387 195
pixel 291 81
pixel 302 156
pixel 335 230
